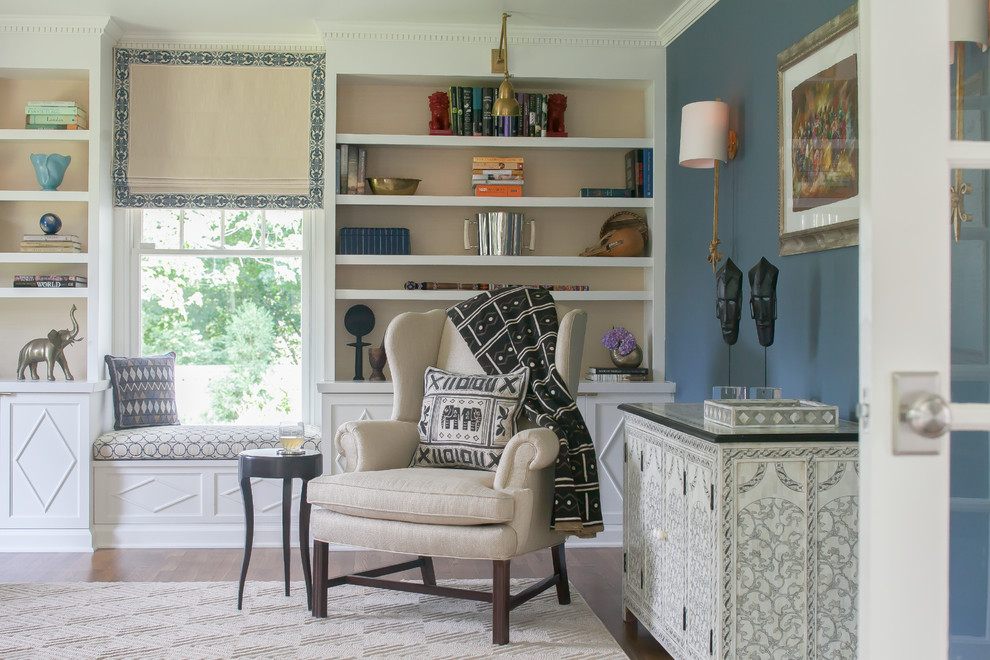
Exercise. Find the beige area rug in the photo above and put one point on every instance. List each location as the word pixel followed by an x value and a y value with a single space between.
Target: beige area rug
pixel 85 620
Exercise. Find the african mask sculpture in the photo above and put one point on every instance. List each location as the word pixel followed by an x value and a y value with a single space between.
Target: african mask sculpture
pixel 763 299
pixel 49 350
pixel 728 300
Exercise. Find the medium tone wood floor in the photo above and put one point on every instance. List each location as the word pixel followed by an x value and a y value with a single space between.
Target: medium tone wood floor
pixel 596 572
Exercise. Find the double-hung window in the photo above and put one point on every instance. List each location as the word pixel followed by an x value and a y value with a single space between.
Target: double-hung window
pixel 223 288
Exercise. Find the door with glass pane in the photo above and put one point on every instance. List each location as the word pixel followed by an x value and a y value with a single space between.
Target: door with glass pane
pixel 924 357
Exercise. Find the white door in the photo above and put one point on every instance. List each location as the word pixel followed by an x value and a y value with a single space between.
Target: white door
pixel 907 270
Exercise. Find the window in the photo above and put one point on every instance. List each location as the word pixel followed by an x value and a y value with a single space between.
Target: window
pixel 223 289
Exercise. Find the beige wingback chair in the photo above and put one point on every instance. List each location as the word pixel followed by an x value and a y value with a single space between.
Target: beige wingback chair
pixel 382 504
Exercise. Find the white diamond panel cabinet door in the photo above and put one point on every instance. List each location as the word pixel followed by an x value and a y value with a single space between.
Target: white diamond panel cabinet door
pixel 45 460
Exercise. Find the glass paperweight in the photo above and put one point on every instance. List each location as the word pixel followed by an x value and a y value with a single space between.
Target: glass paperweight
pixel 763 393
pixel 728 392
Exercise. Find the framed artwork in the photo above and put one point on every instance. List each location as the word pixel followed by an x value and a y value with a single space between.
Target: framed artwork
pixel 818 137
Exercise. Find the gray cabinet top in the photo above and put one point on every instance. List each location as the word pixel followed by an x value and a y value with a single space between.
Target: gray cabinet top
pixel 689 418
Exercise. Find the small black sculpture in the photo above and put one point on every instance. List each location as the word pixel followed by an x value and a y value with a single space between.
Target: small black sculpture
pixel 359 321
pixel 728 300
pixel 763 299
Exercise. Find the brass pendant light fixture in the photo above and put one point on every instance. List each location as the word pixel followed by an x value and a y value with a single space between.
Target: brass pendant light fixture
pixel 506 104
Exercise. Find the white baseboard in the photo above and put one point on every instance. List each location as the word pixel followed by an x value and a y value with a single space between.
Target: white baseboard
pixel 46 540
pixel 189 536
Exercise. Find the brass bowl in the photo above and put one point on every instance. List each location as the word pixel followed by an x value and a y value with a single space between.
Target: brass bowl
pixel 393 186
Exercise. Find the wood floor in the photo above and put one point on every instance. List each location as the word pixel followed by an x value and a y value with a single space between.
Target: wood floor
pixel 596 572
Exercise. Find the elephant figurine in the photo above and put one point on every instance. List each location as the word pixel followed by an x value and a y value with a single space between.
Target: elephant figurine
pixel 50 350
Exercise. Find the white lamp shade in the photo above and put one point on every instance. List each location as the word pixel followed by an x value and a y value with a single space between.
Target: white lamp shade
pixel 704 134
pixel 968 21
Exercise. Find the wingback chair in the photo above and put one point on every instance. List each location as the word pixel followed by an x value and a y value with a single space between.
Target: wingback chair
pixel 381 503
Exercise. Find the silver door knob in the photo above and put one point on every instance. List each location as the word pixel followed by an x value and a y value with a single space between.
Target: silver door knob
pixel 928 415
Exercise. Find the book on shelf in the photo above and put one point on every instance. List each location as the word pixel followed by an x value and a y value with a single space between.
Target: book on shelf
pixel 634 161
pixel 342 170
pixel 41 120
pixel 496 165
pixel 516 171
pixel 352 170
pixel 605 192
pixel 52 238
pixel 362 169
pixel 487 95
pixel 483 286
pixel 79 279
pixel 619 370
pixel 68 247
pixel 499 178
pixel 467 110
pixel 50 284
pixel 495 190
pixel 55 127
pixel 647 172
pixel 53 108
pixel 618 378
pixel 476 111
pixel 374 240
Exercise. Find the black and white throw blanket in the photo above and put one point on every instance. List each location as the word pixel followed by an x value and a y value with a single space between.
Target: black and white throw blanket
pixel 516 327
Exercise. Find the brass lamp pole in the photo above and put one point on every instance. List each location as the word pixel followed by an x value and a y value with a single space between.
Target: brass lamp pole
pixel 506 104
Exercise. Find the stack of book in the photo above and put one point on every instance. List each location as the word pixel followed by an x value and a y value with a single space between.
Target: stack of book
pixel 64 115
pixel 50 243
pixel 497 176
pixel 618 374
pixel 49 281
pixel 374 240
pixel 352 165
pixel 471 113
pixel 639 172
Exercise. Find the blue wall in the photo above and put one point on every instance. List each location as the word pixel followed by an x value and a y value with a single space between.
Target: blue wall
pixel 731 53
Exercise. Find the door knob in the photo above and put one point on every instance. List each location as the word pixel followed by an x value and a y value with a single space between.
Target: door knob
pixel 920 415
pixel 927 414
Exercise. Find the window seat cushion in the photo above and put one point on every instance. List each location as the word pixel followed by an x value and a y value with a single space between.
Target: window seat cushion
pixel 181 442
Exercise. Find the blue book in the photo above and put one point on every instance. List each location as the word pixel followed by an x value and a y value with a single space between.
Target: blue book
pixel 647 172
pixel 476 113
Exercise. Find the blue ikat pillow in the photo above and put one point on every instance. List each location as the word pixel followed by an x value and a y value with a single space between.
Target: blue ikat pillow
pixel 143 390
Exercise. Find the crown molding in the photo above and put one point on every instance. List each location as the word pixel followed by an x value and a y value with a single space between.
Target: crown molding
pixel 283 43
pixel 62 25
pixel 473 34
pixel 683 18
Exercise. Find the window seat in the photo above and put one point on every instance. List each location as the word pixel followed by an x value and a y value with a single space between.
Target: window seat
pixel 177 487
pixel 191 442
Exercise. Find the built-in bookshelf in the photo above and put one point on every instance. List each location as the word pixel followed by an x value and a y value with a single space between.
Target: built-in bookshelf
pixel 387 115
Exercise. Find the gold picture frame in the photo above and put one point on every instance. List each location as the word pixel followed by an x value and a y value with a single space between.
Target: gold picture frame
pixel 818 138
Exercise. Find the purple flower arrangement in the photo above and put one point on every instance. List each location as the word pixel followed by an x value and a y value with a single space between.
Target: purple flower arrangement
pixel 619 339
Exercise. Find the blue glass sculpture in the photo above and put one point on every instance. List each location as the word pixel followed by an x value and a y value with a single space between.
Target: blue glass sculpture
pixel 50 168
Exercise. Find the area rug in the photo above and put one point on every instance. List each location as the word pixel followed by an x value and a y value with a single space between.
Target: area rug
pixel 193 620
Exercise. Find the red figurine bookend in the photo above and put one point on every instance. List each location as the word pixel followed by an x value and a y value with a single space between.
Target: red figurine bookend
pixel 556 104
pixel 440 114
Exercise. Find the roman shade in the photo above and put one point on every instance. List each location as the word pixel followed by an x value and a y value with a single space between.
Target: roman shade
pixel 212 129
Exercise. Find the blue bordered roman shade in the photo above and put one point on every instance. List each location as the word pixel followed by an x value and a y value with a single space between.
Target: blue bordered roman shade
pixel 218 129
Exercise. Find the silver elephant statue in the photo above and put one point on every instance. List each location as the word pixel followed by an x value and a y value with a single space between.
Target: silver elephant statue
pixel 50 350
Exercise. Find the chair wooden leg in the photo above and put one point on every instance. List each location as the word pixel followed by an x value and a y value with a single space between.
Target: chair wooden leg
pixel 429 575
pixel 500 601
pixel 321 560
pixel 560 570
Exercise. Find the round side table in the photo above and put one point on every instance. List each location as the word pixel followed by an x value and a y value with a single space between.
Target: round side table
pixel 269 464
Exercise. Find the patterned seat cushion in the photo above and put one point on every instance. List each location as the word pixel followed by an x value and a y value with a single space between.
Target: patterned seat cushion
pixel 191 442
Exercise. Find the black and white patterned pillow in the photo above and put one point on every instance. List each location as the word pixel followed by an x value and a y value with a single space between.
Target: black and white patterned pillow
pixel 468 418
pixel 143 390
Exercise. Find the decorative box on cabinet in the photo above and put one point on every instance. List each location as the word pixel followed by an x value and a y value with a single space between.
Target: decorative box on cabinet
pixel 740 544
pixel 45 438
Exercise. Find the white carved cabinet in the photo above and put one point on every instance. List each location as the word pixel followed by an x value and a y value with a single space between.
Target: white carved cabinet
pixel 740 545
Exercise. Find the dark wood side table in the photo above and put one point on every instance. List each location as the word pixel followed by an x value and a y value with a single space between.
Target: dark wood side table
pixel 269 464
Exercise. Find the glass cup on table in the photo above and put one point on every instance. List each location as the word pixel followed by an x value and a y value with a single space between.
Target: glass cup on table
pixel 290 436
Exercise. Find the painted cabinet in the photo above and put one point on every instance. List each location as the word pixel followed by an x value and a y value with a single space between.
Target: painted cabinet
pixel 45 444
pixel 737 546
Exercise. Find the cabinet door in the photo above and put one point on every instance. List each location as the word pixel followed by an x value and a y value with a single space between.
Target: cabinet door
pixel 45 461
pixel 770 553
pixel 702 557
pixel 672 585
pixel 633 531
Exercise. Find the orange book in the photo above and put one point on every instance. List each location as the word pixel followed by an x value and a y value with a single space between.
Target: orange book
pixel 498 191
